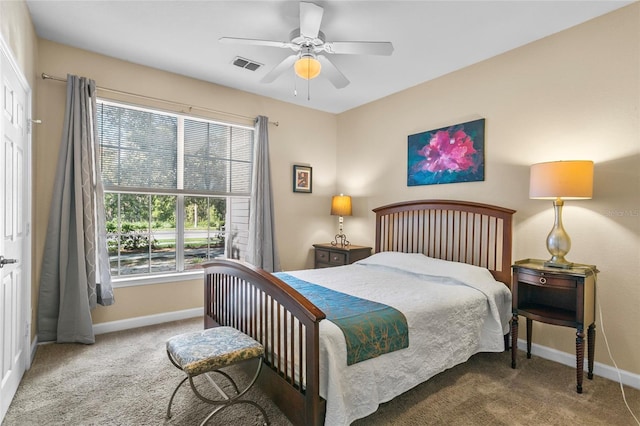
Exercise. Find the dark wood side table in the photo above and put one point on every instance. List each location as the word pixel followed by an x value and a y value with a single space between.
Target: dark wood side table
pixel 555 296
pixel 327 255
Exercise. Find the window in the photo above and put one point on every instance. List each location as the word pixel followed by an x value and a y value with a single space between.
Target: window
pixel 176 189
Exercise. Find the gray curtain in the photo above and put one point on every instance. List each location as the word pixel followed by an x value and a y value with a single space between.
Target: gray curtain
pixel 261 247
pixel 75 273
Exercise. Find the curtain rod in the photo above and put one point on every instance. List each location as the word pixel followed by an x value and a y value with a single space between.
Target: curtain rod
pixel 46 76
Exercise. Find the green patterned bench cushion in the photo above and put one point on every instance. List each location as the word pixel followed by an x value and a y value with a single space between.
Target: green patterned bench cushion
pixel 201 351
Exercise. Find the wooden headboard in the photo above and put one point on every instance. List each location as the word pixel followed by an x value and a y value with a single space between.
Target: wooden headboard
pixel 460 231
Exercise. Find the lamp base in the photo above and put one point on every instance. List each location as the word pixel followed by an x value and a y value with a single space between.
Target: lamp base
pixel 558 241
pixel 560 265
pixel 340 240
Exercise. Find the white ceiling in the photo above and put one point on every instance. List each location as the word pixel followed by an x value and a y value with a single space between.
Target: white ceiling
pixel 431 38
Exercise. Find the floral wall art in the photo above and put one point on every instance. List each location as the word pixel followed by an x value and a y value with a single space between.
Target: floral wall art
pixel 447 155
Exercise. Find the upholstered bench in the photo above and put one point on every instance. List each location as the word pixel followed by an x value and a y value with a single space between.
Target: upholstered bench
pixel 207 351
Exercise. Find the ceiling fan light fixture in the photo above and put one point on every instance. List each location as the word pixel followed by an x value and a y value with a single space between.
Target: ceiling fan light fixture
pixel 307 67
pixel 310 47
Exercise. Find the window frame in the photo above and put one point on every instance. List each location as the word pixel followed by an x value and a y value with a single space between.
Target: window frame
pixel 180 274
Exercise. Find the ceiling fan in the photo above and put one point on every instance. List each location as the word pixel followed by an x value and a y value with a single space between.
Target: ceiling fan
pixel 310 47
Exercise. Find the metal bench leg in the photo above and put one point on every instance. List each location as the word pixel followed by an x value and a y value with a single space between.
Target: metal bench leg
pixel 231 400
pixel 228 400
pixel 173 395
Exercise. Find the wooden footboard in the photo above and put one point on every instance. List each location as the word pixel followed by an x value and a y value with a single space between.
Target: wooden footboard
pixel 260 305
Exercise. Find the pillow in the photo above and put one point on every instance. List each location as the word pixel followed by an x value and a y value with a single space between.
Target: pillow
pixel 418 263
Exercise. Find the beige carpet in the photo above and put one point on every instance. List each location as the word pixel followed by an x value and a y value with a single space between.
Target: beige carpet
pixel 126 379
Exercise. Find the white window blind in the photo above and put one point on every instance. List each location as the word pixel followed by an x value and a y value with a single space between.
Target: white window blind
pixel 217 158
pixel 141 150
pixel 138 148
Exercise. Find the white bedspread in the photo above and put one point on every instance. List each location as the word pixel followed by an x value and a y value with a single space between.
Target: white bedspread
pixel 453 310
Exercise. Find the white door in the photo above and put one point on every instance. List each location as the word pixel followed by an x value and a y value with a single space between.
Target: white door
pixel 15 214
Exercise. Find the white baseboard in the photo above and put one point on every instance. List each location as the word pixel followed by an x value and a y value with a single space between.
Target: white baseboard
pixel 625 377
pixel 108 327
pixel 34 347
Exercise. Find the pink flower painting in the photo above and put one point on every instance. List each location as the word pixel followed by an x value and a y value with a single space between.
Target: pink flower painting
pixel 447 155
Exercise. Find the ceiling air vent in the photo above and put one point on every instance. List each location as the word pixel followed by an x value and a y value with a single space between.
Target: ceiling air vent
pixel 246 63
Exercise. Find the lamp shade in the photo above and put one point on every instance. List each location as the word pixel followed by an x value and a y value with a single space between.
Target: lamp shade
pixel 307 67
pixel 569 180
pixel 341 205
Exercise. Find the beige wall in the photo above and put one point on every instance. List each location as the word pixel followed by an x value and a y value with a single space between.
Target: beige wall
pixel 574 95
pixel 18 33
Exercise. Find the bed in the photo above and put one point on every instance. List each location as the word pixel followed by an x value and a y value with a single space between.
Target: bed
pixel 306 374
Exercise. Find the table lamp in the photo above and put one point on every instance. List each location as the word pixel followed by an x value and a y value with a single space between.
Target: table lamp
pixel 340 206
pixel 559 181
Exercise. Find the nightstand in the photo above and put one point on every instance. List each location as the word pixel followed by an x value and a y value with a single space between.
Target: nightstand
pixel 555 296
pixel 327 255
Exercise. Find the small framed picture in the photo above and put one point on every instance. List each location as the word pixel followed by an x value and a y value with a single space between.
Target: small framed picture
pixel 301 179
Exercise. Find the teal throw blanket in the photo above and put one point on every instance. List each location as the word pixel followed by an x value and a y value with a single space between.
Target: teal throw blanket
pixel 370 328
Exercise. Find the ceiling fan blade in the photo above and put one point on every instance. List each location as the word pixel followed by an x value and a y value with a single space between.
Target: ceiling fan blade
pixel 279 69
pixel 310 19
pixel 359 47
pixel 332 73
pixel 254 42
